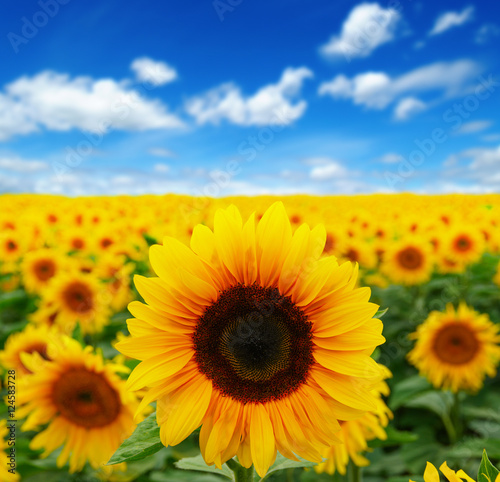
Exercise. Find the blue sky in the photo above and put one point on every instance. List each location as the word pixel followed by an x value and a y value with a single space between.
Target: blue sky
pixel 249 97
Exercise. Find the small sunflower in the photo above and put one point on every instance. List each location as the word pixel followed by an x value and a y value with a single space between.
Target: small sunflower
pixel 455 349
pixel 78 298
pixel 464 245
pixel 356 433
pixel 39 266
pixel 13 245
pixel 432 475
pixel 256 337
pixel 31 339
pixel 5 469
pixel 86 405
pixel 408 261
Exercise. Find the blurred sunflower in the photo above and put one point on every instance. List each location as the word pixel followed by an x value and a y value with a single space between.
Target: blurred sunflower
pixel 408 261
pixel 31 339
pixel 256 337
pixel 464 245
pixel 356 433
pixel 86 405
pixel 13 244
pixel 5 475
pixel 455 349
pixel 78 298
pixel 39 266
pixel 432 475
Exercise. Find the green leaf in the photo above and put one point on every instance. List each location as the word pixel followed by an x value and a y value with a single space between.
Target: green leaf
pixel 143 442
pixel 406 390
pixel 380 313
pixel 11 298
pixel 282 463
pixel 149 239
pixel 197 463
pixel 438 402
pixel 394 437
pixel 487 471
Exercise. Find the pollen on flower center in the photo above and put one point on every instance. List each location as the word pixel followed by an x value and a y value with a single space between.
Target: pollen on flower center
pixel 254 344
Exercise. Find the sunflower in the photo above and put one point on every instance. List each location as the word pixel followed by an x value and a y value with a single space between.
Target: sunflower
pixel 78 297
pixel 356 433
pixel 5 469
pixel 31 339
pixel 86 405
pixel 432 475
pixel 256 337
pixel 74 239
pixel 13 244
pixel 408 261
pixel 39 266
pixel 465 245
pixel 455 349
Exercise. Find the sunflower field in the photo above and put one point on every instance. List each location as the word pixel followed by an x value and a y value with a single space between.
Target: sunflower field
pixel 301 338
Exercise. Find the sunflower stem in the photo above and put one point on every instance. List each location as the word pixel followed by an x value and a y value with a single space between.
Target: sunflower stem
pixel 450 429
pixel 354 473
pixel 456 417
pixel 241 474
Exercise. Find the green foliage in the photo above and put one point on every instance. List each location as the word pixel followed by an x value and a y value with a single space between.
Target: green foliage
pixel 143 442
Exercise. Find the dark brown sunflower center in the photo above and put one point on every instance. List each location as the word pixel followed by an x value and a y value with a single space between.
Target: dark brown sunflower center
pixel 86 398
pixel 77 243
pixel 455 344
pixel 106 243
pixel 329 243
pixel 352 255
pixel 11 246
pixel 410 258
pixel 44 269
pixel 254 344
pixel 462 243
pixel 78 297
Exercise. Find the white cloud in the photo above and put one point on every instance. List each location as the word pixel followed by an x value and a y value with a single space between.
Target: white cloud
pixel 21 165
pixel 269 105
pixel 152 71
pixel 451 19
pixel 58 102
pixel 161 168
pixel 161 152
pixel 487 32
pixel 325 168
pixel 376 90
pixel 474 126
pixel 391 158
pixel 367 27
pixel 478 165
pixel 491 137
pixel 408 107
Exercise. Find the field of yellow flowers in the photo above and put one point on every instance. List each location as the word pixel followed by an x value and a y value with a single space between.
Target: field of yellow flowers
pixel 300 338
